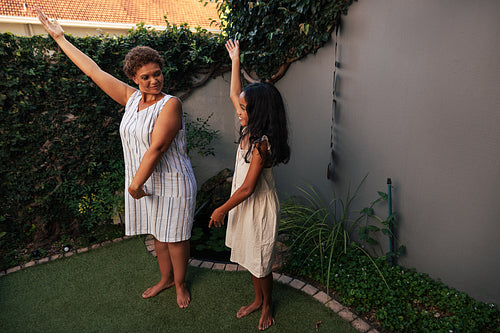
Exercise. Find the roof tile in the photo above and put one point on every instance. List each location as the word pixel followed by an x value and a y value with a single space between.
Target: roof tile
pixel 151 12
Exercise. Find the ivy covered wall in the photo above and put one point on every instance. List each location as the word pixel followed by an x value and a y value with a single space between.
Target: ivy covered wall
pixel 60 151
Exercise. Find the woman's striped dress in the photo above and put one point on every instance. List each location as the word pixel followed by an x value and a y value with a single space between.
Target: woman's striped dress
pixel 168 213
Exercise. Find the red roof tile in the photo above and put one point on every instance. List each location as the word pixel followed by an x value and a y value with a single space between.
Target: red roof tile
pixel 151 12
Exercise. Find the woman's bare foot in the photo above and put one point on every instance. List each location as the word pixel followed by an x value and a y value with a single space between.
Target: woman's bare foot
pixel 183 296
pixel 266 319
pixel 156 289
pixel 246 310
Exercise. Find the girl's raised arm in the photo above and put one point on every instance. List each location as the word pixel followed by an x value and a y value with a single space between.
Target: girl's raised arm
pixel 233 48
pixel 114 88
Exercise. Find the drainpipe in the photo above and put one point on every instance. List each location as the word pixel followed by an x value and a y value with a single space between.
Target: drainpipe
pixel 391 236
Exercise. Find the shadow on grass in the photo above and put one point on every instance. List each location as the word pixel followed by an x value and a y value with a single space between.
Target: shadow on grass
pixel 100 291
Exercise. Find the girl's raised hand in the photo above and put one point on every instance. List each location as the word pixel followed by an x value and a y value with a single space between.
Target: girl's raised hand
pixel 53 28
pixel 233 48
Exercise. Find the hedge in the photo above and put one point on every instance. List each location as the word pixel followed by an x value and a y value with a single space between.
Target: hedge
pixel 60 151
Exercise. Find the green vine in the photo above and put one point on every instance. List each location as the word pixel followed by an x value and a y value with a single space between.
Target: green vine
pixel 59 133
pixel 60 151
pixel 273 34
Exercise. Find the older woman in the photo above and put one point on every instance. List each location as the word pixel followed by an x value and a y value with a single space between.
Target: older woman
pixel 158 175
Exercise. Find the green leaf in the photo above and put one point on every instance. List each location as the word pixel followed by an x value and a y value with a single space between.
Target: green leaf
pixel 384 196
pixel 368 211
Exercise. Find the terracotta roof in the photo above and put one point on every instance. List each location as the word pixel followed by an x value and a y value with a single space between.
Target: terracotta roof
pixel 151 12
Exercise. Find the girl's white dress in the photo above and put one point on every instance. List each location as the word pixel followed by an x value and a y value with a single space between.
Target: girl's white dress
pixel 168 213
pixel 253 224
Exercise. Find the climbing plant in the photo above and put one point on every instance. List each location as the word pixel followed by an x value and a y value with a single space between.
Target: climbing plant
pixel 60 152
pixel 275 33
pixel 59 133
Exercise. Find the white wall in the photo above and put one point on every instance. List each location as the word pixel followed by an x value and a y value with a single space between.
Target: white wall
pixel 31 27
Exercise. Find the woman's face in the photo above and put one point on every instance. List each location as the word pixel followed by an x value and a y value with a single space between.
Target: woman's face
pixel 242 112
pixel 149 78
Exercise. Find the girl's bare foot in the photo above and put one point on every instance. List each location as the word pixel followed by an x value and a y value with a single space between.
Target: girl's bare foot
pixel 154 290
pixel 246 310
pixel 183 296
pixel 266 319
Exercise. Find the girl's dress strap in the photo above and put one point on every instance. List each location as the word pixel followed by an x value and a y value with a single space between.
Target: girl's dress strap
pixel 266 139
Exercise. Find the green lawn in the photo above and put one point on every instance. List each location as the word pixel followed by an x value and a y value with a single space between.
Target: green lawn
pixel 100 291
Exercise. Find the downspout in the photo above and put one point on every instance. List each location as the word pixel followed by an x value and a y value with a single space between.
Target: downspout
pixel 391 232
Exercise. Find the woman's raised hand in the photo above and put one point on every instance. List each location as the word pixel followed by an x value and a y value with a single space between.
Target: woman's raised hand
pixel 113 87
pixel 53 28
pixel 233 48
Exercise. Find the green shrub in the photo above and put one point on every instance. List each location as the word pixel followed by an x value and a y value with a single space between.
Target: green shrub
pixel 60 151
pixel 275 33
pixel 397 298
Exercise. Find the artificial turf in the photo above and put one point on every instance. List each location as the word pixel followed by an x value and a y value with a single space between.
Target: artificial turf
pixel 100 291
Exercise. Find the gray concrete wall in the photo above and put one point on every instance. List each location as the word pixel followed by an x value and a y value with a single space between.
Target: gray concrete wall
pixel 213 100
pixel 418 101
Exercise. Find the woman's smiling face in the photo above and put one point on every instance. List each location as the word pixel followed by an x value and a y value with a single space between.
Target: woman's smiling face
pixel 149 78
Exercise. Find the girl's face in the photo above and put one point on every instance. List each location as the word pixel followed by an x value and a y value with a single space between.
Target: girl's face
pixel 242 112
pixel 149 78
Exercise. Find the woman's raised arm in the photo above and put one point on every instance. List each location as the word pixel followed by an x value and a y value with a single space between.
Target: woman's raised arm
pixel 114 88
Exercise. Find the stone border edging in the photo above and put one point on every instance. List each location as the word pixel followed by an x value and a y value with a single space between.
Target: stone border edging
pixel 344 313
pixel 320 296
pixel 355 321
pixel 58 256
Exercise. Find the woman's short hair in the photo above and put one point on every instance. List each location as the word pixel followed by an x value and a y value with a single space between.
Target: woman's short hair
pixel 138 57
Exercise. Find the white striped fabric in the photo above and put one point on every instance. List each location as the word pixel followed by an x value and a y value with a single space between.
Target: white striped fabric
pixel 167 214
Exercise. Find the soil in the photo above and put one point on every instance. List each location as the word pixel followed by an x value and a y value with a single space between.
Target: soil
pixel 17 253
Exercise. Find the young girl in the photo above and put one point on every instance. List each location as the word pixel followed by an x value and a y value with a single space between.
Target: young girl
pixel 253 206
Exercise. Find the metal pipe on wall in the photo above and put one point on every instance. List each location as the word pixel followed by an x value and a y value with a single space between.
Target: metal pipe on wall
pixel 391 236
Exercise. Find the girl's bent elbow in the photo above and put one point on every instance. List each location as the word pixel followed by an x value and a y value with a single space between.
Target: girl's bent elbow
pixel 248 191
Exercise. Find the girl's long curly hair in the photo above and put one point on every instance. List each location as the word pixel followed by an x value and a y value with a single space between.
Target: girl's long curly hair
pixel 266 116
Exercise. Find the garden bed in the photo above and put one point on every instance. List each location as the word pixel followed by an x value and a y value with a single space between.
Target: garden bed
pixel 15 253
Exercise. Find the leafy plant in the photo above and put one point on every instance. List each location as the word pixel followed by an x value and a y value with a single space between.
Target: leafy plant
pixel 209 243
pixel 414 303
pixel 319 233
pixel 60 147
pixel 367 231
pixel 273 34
pixel 215 241
pixel 397 298
pixel 3 233
pixel 99 202
pixel 199 136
